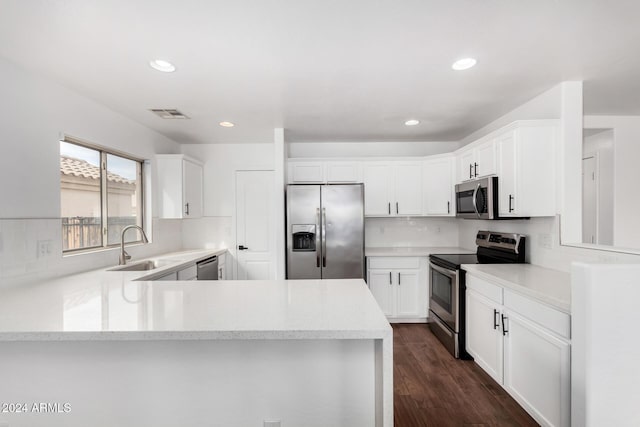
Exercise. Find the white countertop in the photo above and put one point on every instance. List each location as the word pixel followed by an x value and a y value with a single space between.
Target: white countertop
pixel 109 305
pixel 551 287
pixel 415 251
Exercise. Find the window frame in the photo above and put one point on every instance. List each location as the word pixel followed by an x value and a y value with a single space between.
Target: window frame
pixel 104 194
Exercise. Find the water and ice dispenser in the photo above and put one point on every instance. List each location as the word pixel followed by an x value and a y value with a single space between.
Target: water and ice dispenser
pixel 304 237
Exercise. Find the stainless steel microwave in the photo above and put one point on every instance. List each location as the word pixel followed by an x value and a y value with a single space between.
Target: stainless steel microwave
pixel 477 199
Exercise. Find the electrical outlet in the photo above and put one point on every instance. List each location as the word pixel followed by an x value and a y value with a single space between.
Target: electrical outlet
pixel 44 248
pixel 545 240
pixel 272 423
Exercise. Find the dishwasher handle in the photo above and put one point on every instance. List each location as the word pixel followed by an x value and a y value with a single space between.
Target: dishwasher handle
pixel 207 261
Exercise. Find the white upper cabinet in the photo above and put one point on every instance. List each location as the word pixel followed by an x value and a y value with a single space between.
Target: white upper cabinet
pixel 438 186
pixel 303 171
pixel 343 172
pixel 180 183
pixel 526 169
pixel 378 188
pixel 478 161
pixel 408 188
pixel 306 172
pixel 392 188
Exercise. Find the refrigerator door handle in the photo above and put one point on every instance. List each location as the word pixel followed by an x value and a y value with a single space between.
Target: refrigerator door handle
pixel 318 237
pixel 324 237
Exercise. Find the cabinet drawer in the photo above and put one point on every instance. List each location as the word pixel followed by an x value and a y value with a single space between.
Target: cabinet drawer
pixel 548 317
pixel 489 290
pixel 394 262
pixel 188 273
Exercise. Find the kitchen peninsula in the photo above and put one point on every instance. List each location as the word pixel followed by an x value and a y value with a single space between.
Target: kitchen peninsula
pixel 127 352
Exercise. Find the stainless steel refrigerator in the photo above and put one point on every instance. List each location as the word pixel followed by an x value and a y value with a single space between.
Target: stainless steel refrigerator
pixel 325 231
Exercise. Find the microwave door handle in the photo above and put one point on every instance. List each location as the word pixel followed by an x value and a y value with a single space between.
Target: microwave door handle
pixel 475 203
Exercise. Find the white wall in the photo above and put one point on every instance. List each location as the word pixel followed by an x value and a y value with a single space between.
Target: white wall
pixel 604 348
pixel 34 113
pixel 411 232
pixel 369 149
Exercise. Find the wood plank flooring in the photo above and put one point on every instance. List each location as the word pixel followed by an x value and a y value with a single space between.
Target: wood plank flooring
pixel 431 388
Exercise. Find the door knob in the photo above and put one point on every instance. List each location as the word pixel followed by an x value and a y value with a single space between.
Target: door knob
pixel 242 248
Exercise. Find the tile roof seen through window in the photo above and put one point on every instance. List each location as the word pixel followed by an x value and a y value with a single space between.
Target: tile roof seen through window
pixel 82 168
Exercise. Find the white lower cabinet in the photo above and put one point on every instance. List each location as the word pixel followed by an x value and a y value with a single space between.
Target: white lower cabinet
pixel 399 285
pixel 537 369
pixel 484 338
pixel 531 361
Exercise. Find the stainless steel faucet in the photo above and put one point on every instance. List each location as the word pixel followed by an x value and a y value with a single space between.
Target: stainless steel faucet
pixel 124 256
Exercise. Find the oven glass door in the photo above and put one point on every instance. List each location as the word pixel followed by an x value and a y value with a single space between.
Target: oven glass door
pixel 443 295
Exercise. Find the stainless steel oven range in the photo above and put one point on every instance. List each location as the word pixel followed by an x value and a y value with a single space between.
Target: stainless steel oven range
pixel 447 288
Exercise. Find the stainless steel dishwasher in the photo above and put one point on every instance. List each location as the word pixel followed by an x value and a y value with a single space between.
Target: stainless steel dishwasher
pixel 208 269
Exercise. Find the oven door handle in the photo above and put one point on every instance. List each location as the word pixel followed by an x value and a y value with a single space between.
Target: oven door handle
pixel 453 274
pixel 475 203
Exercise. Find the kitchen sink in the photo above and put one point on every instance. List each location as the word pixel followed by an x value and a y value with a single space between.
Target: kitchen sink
pixel 143 265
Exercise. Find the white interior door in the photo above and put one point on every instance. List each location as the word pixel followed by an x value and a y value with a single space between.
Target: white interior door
pixel 255 227
pixel 589 201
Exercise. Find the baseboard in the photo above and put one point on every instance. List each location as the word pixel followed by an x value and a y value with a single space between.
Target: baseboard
pixel 407 319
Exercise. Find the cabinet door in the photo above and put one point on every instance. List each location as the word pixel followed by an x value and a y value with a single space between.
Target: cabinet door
pixel 343 172
pixel 378 188
pixel 507 200
pixel 438 187
pixel 408 189
pixel 484 335
pixel 306 172
pixel 381 286
pixel 465 166
pixel 537 370
pixel 485 159
pixel 409 302
pixel 192 189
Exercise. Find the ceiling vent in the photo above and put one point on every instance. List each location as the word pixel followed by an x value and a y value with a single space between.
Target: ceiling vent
pixel 166 113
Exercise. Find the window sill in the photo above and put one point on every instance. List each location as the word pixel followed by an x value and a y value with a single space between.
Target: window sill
pixel 78 252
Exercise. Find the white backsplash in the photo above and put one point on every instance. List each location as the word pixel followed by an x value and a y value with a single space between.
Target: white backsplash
pixel 411 232
pixel 209 232
pixel 31 249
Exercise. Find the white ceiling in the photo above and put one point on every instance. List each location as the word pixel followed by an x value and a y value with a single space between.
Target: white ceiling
pixel 328 70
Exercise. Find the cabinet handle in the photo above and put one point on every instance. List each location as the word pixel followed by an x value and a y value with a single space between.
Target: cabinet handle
pixel 390 279
pixel 510 200
pixel 186 209
pixel 448 207
pixel 504 326
pixel 496 322
pixel 475 169
pixel 470 171
pixel 389 204
pixel 397 210
pixel 398 279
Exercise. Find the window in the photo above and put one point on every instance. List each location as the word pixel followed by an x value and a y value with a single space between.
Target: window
pixel 100 194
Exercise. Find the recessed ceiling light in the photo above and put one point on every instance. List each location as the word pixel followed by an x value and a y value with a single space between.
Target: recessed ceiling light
pixel 412 122
pixel 227 124
pixel 162 65
pixel 464 64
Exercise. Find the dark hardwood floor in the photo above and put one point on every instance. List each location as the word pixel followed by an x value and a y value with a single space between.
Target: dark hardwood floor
pixel 431 388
